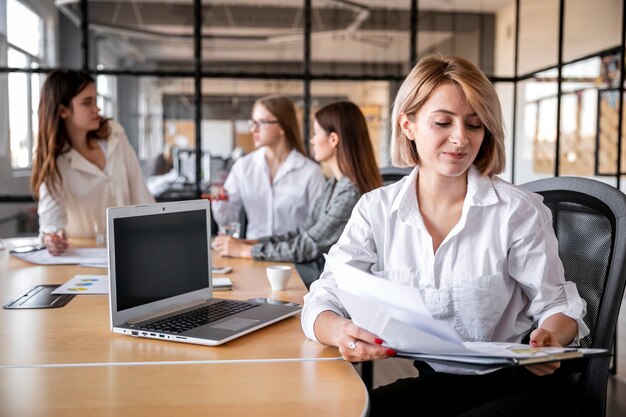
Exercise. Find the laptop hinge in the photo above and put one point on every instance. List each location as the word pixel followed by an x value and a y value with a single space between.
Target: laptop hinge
pixel 165 311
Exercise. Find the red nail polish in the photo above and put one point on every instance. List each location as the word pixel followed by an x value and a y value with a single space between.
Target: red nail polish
pixel 391 352
pixel 378 341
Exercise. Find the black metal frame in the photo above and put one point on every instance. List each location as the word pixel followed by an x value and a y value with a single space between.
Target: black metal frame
pixel 307 76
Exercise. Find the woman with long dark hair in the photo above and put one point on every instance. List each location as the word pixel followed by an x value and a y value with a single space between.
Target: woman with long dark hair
pixel 82 163
pixel 341 140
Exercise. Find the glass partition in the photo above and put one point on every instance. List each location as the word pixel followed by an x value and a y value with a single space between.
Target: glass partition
pixel 505 94
pixel 253 37
pixel 538 35
pixel 591 26
pixel 535 138
pixel 133 35
pixel 360 39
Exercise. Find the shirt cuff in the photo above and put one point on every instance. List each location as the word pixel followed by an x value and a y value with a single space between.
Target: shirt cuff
pixel 257 252
pixel 583 330
pixel 308 319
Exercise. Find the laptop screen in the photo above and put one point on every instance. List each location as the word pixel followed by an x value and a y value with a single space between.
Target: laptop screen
pixel 160 256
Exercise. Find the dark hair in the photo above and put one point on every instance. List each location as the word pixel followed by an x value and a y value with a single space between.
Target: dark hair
pixel 58 90
pixel 285 112
pixel 355 154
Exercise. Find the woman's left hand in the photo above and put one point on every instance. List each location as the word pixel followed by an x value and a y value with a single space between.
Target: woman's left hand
pixel 543 338
pixel 232 247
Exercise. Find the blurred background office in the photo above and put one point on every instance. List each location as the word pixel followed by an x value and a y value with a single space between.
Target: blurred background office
pixel 185 74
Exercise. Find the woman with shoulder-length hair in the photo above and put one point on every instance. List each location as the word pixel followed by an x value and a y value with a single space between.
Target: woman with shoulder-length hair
pixel 276 184
pixel 340 139
pixel 82 163
pixel 481 252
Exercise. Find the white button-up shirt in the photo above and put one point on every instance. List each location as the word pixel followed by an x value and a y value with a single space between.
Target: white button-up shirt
pixel 87 191
pixel 273 208
pixel 494 275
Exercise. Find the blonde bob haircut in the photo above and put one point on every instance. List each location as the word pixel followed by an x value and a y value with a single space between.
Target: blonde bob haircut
pixel 431 72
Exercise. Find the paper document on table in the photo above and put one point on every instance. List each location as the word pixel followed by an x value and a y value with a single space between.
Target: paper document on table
pixel 397 314
pixel 93 257
pixel 85 284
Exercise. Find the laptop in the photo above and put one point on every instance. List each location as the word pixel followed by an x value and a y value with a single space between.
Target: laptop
pixel 160 278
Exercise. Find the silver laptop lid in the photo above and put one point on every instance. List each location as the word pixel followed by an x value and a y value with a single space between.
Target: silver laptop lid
pixel 159 257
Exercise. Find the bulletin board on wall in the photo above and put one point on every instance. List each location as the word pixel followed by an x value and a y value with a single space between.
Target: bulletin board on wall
pixel 578 142
pixel 606 139
pixel 179 131
pixel 372 113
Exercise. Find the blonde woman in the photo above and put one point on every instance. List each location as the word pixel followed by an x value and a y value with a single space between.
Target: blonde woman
pixel 481 251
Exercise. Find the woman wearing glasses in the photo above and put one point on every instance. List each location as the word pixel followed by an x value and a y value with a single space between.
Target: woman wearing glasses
pixel 276 184
pixel 341 140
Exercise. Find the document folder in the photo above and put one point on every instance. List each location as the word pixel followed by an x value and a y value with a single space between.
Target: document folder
pixel 397 314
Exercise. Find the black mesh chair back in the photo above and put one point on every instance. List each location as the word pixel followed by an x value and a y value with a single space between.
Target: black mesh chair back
pixel 589 221
pixel 243 223
pixel 393 174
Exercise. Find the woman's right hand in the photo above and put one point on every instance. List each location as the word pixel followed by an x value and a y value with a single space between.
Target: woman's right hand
pixel 217 193
pixel 56 243
pixel 355 344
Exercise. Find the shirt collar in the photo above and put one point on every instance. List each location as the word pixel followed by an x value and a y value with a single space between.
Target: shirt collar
pixel 295 160
pixel 80 163
pixel 480 192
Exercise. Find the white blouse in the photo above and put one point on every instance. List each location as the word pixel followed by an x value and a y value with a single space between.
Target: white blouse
pixel 494 275
pixel 273 208
pixel 87 191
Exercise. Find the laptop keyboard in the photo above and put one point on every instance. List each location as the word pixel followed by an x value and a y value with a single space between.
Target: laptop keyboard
pixel 198 317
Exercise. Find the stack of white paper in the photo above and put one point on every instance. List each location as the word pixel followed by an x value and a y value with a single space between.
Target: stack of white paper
pixel 397 314
pixel 90 257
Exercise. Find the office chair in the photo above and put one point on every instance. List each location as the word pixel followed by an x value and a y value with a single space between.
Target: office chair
pixel 392 174
pixel 589 220
pixel 310 271
pixel 243 222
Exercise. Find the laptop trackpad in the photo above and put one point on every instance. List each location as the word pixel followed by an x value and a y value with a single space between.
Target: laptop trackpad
pixel 235 324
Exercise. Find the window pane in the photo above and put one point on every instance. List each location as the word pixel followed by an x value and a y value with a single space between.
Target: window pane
pixel 24 28
pixel 601 21
pixel 578 117
pixel 134 35
pixel 536 128
pixel 253 37
pixel 466 30
pixel 106 95
pixel 538 35
pixel 504 55
pixel 355 39
pixel 505 94
pixel 16 59
pixel 36 84
pixel 19 120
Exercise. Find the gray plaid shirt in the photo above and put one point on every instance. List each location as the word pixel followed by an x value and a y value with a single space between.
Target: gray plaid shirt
pixel 322 229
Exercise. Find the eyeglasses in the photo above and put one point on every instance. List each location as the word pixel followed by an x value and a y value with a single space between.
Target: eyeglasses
pixel 261 123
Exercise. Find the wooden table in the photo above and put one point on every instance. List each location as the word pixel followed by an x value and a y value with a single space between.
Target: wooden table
pixel 66 361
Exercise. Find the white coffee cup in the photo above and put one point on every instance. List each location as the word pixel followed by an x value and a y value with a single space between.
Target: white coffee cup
pixel 278 275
